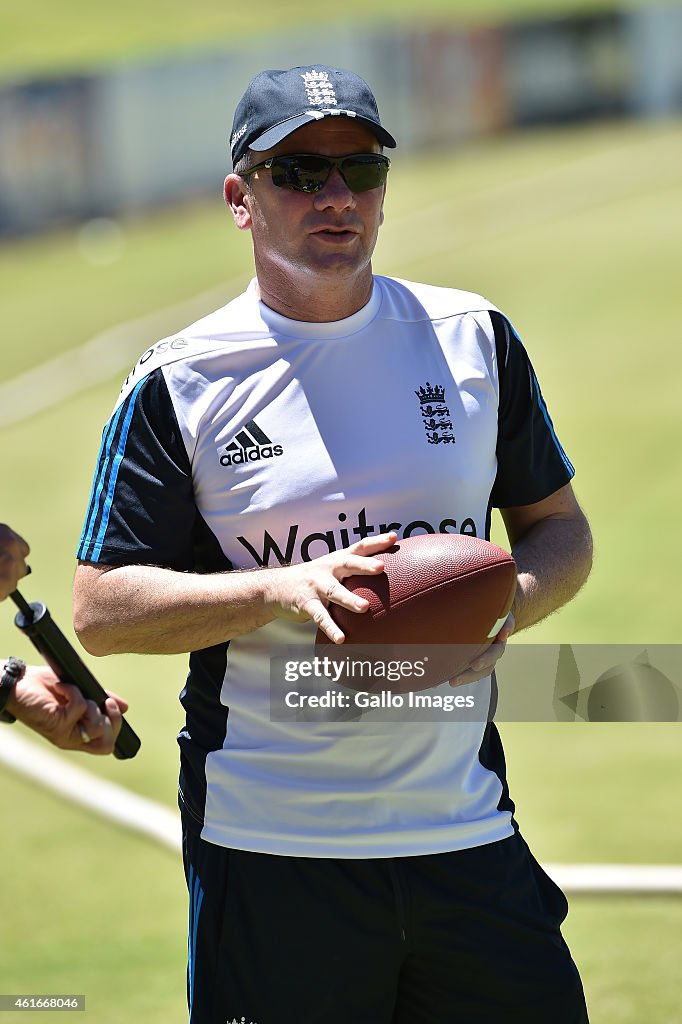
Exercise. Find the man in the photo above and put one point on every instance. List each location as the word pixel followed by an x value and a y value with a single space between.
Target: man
pixel 35 696
pixel 337 871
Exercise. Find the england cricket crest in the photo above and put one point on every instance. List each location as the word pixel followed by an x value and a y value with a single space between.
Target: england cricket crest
pixel 435 414
pixel 319 89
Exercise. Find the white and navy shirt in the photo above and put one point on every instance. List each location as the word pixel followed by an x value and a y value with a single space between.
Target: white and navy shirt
pixel 252 440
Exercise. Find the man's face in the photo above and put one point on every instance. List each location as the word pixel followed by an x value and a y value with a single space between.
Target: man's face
pixel 330 233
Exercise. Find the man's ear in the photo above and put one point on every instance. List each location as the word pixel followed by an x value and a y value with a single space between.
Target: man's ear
pixel 237 198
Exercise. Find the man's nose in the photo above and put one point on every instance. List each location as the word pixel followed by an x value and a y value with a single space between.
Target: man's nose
pixel 335 193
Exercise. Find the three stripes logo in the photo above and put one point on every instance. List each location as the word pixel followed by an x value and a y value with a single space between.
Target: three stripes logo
pixel 251 444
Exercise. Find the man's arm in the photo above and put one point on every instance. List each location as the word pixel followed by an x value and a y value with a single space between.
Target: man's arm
pixel 150 610
pixel 551 543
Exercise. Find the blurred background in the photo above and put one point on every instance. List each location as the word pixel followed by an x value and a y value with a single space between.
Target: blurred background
pixel 539 163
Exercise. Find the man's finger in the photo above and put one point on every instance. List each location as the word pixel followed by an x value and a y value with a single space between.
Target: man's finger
pixel 323 620
pixel 67 694
pixel 96 731
pixel 114 713
pixel 120 702
pixel 481 666
pixel 338 594
pixel 371 545
pixel 360 565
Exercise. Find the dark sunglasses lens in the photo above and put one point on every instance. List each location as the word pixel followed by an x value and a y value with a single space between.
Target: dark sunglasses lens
pixel 302 173
pixel 362 173
pixel 310 173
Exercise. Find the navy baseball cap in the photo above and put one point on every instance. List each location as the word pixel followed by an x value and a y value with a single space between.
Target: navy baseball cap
pixel 276 103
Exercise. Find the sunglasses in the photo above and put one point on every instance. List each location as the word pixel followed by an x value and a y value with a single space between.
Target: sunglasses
pixel 307 172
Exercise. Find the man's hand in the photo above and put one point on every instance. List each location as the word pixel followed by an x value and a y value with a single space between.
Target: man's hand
pixel 60 713
pixel 304 591
pixel 483 665
pixel 13 552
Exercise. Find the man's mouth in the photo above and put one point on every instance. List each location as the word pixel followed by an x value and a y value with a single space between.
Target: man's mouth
pixel 338 234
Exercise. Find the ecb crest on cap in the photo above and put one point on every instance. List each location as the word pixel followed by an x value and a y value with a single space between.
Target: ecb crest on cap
pixel 319 89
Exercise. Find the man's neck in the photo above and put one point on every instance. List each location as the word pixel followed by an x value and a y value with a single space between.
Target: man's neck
pixel 323 303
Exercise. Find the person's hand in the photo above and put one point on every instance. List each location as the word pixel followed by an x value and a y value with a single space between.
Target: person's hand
pixel 13 552
pixel 60 712
pixel 304 591
pixel 483 665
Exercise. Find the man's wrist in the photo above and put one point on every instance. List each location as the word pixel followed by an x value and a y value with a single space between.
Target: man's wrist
pixel 13 671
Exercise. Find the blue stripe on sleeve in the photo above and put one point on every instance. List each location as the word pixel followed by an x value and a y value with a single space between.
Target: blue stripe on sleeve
pixel 115 465
pixel 103 461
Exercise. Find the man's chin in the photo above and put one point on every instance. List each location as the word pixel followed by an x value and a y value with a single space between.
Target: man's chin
pixel 338 259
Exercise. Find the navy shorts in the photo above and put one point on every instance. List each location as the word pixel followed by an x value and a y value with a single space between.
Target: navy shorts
pixel 470 937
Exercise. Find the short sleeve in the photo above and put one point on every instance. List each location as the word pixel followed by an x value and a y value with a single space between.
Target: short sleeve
pixel 142 507
pixel 531 463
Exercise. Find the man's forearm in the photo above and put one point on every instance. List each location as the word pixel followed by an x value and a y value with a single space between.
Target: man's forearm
pixel 141 609
pixel 149 610
pixel 553 560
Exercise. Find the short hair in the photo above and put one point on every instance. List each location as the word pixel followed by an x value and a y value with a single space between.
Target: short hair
pixel 243 164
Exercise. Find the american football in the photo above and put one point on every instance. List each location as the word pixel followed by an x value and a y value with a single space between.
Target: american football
pixel 447 589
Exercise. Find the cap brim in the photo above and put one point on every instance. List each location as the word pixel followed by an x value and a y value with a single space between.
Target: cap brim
pixel 273 136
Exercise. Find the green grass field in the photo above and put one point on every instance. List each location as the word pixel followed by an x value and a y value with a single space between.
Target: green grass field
pixel 576 235
pixel 77 35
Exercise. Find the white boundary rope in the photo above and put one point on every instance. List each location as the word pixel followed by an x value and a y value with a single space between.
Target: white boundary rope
pixel 623 879
pixel 154 821
pixel 79 786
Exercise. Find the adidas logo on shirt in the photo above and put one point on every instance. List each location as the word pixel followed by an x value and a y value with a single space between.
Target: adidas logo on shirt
pixel 251 444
